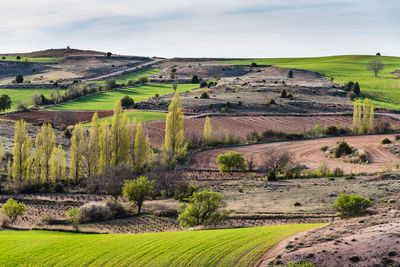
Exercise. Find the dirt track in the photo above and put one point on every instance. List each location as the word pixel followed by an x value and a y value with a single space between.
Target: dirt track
pixel 308 153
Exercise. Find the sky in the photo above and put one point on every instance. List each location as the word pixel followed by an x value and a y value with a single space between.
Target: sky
pixel 204 28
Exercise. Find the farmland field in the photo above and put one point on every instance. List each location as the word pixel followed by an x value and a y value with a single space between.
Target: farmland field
pixel 382 90
pixel 131 76
pixel 24 95
pixel 106 100
pixel 30 59
pixel 140 115
pixel 242 247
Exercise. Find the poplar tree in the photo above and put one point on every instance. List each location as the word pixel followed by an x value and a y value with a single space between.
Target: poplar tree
pixel 93 148
pixel 175 147
pixel 57 164
pixel 119 136
pixel 357 116
pixel 45 143
pixel 105 148
pixel 143 151
pixel 132 136
pixel 368 116
pixel 76 148
pixel 1 152
pixel 207 133
pixel 21 153
pixel 9 170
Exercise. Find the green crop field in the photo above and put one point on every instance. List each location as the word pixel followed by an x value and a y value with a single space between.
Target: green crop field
pixel 106 100
pixel 384 90
pixel 140 115
pixel 30 59
pixel 241 247
pixel 130 76
pixel 24 95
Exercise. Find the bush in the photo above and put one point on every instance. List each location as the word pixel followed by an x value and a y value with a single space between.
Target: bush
pixel 109 54
pixel 324 148
pixel 94 212
pixel 283 94
pixel 67 133
pixel 37 99
pixel 117 210
pixel 12 209
pixel 341 149
pixel 300 264
pixel 338 172
pixel 271 176
pixel 203 84
pixel 351 205
pixel 204 209
pixel 356 89
pixel 22 106
pixel 18 57
pixel 73 217
pixel 386 141
pixel 204 95
pixel 397 137
pixel 253 64
pixel 194 79
pixel 143 80
pixel 349 86
pixel 230 161
pixel 109 86
pixel 5 102
pixel 272 101
pixel 19 78
pixel 290 74
pixel 127 101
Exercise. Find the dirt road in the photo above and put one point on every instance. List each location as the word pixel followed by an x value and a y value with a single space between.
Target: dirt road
pixel 308 153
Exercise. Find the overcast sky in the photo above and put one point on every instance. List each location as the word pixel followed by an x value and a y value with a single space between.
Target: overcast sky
pixel 204 28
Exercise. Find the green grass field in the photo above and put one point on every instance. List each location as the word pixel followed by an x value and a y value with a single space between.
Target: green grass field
pixel 384 90
pixel 140 115
pixel 106 100
pixel 130 76
pixel 24 95
pixel 241 247
pixel 30 59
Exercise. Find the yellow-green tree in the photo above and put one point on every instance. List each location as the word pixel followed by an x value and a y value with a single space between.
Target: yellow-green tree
pixel 143 151
pixel 21 153
pixel 33 172
pixel 9 169
pixel 45 143
pixel 57 164
pixel 363 116
pixel 119 136
pixel 105 147
pixel 132 136
pixel 77 149
pixel 175 147
pixel 92 152
pixel 207 133
pixel 1 152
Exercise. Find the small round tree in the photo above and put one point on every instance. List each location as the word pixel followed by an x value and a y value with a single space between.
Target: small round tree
pixel 351 205
pixel 290 74
pixel 137 190
pixel 19 78
pixel 127 101
pixel 73 217
pixel 375 66
pixel 12 209
pixel 194 79
pixel 204 209
pixel 5 102
pixel 283 93
pixel 230 161
pixel 108 54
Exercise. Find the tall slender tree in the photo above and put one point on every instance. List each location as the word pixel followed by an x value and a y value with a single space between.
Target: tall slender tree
pixel 57 164
pixel 45 143
pixel 21 153
pixel 105 148
pixel 143 151
pixel 207 133
pixel 76 148
pixel 92 152
pixel 119 136
pixel 175 147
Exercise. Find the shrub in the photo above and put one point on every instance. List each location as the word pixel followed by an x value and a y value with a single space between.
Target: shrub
pixel 204 209
pixel 283 94
pixel 290 74
pixel 137 190
pixel 349 86
pixel 73 217
pixel 143 80
pixel 324 148
pixel 297 204
pixel 230 161
pixel 110 85
pixel 272 101
pixel 352 96
pixel 19 78
pixel 117 210
pixel 67 133
pixel 271 176
pixel 12 209
pixel 203 84
pixel 94 212
pixel 3 57
pixel 194 79
pixel 290 96
pixel 204 95
pixel 351 205
pixel 300 264
pixel 22 106
pixel 356 88
pixel 127 101
pixel 341 149
pixel 338 172
pixel 386 141
pixel 18 57
pixel 108 54
pixel 37 99
pixel 397 137
pixel 253 64
pixel 5 102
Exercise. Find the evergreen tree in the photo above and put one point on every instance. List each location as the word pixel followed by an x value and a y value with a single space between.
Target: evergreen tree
pixel 45 143
pixel 21 153
pixel 143 151
pixel 175 147
pixel 57 164
pixel 207 133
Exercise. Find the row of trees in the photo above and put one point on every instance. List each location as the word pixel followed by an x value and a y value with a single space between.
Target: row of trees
pixel 363 116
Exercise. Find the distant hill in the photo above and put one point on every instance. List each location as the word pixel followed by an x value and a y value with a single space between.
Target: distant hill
pixel 58 53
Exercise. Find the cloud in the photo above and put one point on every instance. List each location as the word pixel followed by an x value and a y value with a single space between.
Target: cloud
pixel 225 28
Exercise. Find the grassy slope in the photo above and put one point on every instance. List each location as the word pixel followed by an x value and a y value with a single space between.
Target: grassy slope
pixel 131 76
pixel 106 101
pixel 31 59
pixel 242 247
pixel 140 115
pixel 24 95
pixel 384 90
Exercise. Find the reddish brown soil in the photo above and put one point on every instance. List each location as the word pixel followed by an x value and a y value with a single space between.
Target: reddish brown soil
pixel 57 117
pixel 241 126
pixel 309 153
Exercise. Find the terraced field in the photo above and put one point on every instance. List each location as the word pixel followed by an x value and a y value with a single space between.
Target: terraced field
pixel 240 247
pixel 30 59
pixel 24 95
pixel 106 100
pixel 140 115
pixel 131 76
pixel 382 90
